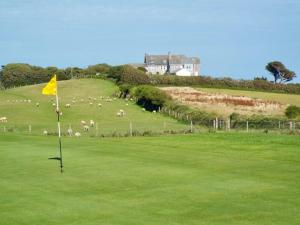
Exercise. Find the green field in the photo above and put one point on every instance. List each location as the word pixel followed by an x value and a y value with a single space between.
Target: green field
pixel 282 98
pixel 21 114
pixel 208 179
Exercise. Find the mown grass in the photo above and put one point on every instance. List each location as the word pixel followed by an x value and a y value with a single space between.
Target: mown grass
pixel 21 114
pixel 210 179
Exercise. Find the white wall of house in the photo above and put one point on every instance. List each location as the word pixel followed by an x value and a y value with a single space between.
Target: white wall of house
pixel 183 72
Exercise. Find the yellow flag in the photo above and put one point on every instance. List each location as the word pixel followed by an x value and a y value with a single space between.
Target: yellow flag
pixel 51 87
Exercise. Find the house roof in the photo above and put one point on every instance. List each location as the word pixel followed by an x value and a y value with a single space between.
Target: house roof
pixel 174 59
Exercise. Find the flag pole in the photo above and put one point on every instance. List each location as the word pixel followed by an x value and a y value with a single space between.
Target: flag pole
pixel 59 132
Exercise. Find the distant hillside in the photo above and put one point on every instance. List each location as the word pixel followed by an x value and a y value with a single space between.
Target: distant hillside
pixel 84 95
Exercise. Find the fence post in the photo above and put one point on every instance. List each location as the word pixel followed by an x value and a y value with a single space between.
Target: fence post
pixel 291 125
pixel 130 128
pixel 96 129
pixel 279 125
pixel 217 123
pixel 29 128
pixel 247 126
pixel 191 126
pixel 228 124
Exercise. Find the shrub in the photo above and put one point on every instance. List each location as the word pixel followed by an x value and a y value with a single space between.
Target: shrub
pixel 292 111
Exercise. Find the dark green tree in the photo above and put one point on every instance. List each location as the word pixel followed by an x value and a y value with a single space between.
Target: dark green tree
pixel 280 72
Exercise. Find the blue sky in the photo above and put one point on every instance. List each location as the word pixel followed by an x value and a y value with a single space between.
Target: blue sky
pixel 232 37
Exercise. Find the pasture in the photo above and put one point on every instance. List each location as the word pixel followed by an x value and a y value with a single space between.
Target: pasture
pixel 89 99
pixel 208 179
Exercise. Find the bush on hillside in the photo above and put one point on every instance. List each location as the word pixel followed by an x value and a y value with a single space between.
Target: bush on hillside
pixel 151 98
pixel 292 111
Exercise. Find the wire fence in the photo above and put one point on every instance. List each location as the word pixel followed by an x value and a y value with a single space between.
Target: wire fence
pixel 132 128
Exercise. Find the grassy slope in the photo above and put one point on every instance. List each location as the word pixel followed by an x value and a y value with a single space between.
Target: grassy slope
pixel 209 179
pixel 44 117
pixel 282 98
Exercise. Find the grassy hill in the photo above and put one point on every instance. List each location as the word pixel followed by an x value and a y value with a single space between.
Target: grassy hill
pixel 87 94
pixel 207 179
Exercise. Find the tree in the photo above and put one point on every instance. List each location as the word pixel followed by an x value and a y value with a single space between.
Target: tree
pixel 280 72
pixel 292 111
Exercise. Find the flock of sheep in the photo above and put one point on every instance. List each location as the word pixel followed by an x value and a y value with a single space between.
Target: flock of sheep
pixel 84 124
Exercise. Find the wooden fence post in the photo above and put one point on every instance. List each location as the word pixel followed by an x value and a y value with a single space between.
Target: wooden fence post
pixel 191 126
pixel 130 128
pixel 217 123
pixel 29 128
pixel 247 126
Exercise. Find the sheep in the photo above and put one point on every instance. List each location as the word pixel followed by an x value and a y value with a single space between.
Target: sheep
pixel 91 103
pixel 99 104
pixel 81 100
pixel 126 104
pixel 37 104
pixel 3 119
pixel 86 128
pixel 45 132
pixel 143 109
pixel 70 131
pixel 92 123
pixel 154 111
pixel 83 123
pixel 77 134
pixel 53 104
pixel 68 105
pixel 73 101
pixel 121 113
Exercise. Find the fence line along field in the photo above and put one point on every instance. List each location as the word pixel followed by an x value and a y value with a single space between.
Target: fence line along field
pixel 206 179
pixel 86 105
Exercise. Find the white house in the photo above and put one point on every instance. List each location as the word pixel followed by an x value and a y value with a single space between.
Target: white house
pixel 180 65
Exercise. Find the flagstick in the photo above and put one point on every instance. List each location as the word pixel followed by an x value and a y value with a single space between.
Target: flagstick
pixel 59 133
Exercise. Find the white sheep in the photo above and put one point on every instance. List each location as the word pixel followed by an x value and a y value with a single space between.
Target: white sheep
pixel 29 101
pixel 92 123
pixel 37 104
pixel 68 105
pixel 53 104
pixel 70 131
pixel 154 111
pixel 83 123
pixel 143 109
pixel 91 103
pixel 99 104
pixel 77 134
pixel 45 132
pixel 86 128
pixel 3 119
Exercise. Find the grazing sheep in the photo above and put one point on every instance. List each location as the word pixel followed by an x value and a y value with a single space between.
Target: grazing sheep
pixel 45 132
pixel 29 101
pixel 154 111
pixel 92 123
pixel 60 113
pixel 73 101
pixel 53 104
pixel 37 104
pixel 143 109
pixel 121 113
pixel 127 104
pixel 3 119
pixel 68 105
pixel 77 134
pixel 91 103
pixel 99 104
pixel 83 123
pixel 86 128
pixel 70 131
